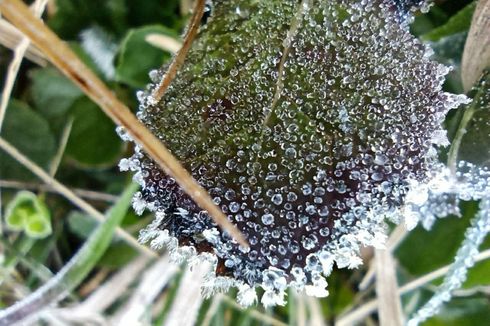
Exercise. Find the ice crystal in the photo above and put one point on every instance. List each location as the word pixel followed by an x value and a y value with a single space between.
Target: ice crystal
pixel 308 123
pixel 101 48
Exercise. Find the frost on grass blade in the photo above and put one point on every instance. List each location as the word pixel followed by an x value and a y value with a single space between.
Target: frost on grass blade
pixel 458 271
pixel 308 123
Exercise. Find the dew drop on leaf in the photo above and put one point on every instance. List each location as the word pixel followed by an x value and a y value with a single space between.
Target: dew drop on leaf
pixel 307 122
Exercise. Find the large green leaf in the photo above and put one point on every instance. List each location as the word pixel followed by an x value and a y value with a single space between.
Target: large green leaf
pixel 53 94
pixel 137 57
pixel 416 253
pixel 30 133
pixel 93 141
pixel 117 16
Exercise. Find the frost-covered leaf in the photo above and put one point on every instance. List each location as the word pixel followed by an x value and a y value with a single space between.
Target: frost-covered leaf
pixel 137 56
pixel 30 133
pixel 28 213
pixel 92 141
pixel 307 122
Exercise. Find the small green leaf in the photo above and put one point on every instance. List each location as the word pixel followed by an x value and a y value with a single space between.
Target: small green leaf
pixel 37 228
pixel 93 141
pixel 26 212
pixel 30 133
pixel 458 23
pixel 53 94
pixel 17 219
pixel 474 144
pixel 137 57
pixel 81 224
pixel 75 271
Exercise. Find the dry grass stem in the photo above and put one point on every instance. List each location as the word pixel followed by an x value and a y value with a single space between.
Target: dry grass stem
pixel 68 62
pixel 113 289
pixel 257 315
pixel 316 315
pixel 180 57
pixel 87 194
pixel 55 163
pixel 152 282
pixel 396 237
pixel 188 300
pixel 14 66
pixel 212 310
pixel 92 284
pixel 369 307
pixel 70 195
pixel 476 55
pixel 10 38
pixel 164 42
pixel 390 309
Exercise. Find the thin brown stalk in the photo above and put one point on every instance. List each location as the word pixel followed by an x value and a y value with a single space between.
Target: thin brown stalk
pixel 476 54
pixel 70 195
pixel 14 66
pixel 164 42
pixel 10 37
pixel 396 237
pixel 180 57
pixel 390 309
pixel 55 163
pixel 87 194
pixel 68 62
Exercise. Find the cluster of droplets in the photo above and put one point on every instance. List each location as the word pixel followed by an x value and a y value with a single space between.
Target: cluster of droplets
pixel 442 195
pixel 308 123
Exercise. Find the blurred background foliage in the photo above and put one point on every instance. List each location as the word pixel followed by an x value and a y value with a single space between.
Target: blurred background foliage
pixel 48 119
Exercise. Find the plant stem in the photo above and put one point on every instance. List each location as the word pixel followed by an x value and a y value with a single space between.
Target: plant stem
pixel 73 273
pixel 68 62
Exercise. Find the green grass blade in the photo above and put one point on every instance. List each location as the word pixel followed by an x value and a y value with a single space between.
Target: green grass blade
pixel 73 273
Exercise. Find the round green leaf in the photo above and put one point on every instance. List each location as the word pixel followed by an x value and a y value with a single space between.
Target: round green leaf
pixel 30 133
pixel 37 228
pixel 27 212
pixel 137 57
pixel 93 141
pixel 52 93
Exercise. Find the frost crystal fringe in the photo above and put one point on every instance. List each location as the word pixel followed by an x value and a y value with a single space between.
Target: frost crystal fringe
pixel 308 122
